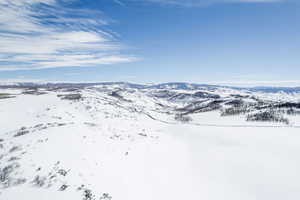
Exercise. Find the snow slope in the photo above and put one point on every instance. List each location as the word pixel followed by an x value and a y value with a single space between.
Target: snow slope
pixel 124 144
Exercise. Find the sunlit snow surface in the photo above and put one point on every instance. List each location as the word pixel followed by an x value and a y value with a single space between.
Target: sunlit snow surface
pixel 105 146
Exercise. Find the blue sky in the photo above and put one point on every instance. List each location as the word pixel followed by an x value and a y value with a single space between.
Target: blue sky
pixel 232 42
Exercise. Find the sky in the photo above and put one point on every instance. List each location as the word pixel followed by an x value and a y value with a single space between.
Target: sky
pixel 229 42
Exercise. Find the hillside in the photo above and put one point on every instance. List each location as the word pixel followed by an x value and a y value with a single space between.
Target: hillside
pixel 125 141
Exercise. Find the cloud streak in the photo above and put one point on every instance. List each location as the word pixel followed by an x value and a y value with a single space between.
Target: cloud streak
pixel 38 34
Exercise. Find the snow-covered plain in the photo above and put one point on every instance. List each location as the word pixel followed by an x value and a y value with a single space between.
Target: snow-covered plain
pixel 124 144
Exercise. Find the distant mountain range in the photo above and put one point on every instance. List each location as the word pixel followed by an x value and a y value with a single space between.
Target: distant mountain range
pixel 169 86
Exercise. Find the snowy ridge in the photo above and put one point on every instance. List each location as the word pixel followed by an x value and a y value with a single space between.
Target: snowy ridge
pixel 168 86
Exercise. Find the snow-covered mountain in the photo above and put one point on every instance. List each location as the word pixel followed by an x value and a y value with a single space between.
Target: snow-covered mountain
pixel 168 86
pixel 123 141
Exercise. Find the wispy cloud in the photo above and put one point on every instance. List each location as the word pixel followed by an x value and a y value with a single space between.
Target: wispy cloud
pixel 121 3
pixel 192 3
pixel 37 34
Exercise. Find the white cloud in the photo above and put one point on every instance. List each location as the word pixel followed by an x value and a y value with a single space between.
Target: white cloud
pixel 37 34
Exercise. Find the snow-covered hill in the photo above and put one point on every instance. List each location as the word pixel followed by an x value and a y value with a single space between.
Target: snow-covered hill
pixel 132 142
